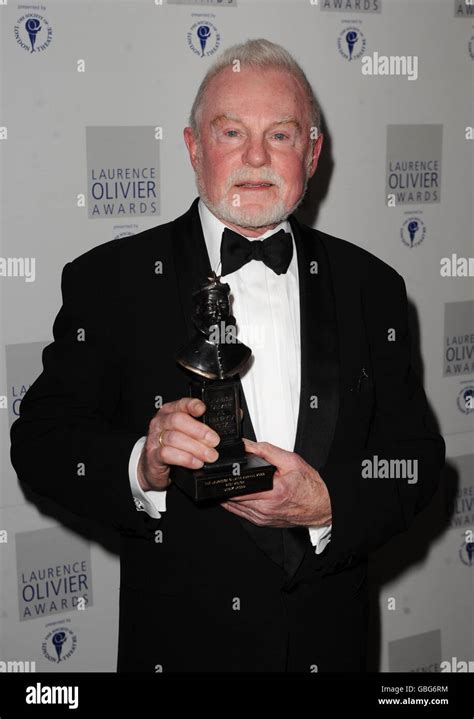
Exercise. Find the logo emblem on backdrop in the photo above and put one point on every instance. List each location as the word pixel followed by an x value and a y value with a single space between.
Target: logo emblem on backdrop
pixel 466 400
pixel 59 644
pixel 459 508
pixel 204 38
pixel 351 43
pixel 413 170
pixel 33 32
pixel 466 553
pixel 470 47
pixel 53 573
pixel 123 171
pixel 23 366
pixel 458 346
pixel 413 232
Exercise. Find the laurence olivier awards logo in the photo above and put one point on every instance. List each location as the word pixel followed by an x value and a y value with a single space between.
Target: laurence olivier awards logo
pixel 53 571
pixel 203 38
pixel 351 43
pixel 123 171
pixel 413 174
pixel 33 32
pixel 59 644
pixel 23 362
pixel 413 231
pixel 460 508
pixel 458 338
pixel 18 391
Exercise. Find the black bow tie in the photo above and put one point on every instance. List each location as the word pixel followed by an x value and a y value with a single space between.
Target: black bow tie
pixel 275 251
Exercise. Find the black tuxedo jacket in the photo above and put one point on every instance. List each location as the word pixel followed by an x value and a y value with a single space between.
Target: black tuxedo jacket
pixel 200 590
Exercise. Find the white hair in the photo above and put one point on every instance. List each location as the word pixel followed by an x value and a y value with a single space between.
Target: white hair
pixel 263 54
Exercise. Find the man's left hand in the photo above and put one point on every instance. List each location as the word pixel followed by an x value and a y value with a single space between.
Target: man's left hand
pixel 299 497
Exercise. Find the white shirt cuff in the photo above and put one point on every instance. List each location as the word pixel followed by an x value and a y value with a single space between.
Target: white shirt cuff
pixel 152 502
pixel 320 537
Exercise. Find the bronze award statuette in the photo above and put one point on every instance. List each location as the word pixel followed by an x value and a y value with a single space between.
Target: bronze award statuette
pixel 214 356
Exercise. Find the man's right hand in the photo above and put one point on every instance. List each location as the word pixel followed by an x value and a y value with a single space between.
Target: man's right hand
pixel 185 441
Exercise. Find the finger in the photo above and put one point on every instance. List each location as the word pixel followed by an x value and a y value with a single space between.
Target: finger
pixel 255 496
pixel 190 405
pixel 190 426
pixel 172 456
pixel 180 440
pixel 245 513
pixel 271 453
pixel 256 518
pixel 250 445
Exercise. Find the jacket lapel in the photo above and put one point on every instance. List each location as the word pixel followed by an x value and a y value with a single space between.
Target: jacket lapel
pixel 319 397
pixel 191 260
pixel 320 369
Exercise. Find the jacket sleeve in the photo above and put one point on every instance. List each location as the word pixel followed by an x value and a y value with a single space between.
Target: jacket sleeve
pixel 368 510
pixel 65 445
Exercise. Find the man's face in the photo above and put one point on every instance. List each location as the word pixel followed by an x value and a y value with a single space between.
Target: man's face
pixel 254 156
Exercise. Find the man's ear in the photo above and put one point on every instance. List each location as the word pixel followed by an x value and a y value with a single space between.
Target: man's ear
pixel 315 154
pixel 191 144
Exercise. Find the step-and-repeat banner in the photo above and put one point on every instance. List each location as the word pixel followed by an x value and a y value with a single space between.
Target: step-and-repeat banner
pixel 94 98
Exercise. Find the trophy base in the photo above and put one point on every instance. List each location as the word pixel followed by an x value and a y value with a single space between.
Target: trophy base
pixel 214 481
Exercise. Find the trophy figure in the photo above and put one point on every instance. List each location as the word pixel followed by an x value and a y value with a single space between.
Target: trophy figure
pixel 215 356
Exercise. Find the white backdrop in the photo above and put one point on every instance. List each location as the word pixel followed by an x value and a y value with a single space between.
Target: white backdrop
pixel 102 77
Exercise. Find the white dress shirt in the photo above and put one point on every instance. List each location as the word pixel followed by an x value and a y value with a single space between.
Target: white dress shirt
pixel 266 306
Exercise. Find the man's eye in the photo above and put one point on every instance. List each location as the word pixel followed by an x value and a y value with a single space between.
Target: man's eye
pixel 231 133
pixel 280 136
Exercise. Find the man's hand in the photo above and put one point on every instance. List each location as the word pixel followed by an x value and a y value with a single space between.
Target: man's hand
pixel 185 441
pixel 299 496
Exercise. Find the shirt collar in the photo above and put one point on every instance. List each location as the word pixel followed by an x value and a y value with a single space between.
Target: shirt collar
pixel 213 228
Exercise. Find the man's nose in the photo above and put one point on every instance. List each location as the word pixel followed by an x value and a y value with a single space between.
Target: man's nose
pixel 256 152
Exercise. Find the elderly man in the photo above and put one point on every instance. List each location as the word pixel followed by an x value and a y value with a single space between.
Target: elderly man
pixel 274 581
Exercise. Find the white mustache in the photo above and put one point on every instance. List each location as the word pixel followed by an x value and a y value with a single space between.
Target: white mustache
pixel 238 178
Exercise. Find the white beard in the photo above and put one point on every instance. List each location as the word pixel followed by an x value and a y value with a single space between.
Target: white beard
pixel 246 217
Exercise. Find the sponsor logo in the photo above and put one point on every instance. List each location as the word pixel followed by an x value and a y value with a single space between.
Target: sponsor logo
pixel 59 645
pixel 413 232
pixel 465 400
pixel 203 38
pixel 351 43
pixel 33 32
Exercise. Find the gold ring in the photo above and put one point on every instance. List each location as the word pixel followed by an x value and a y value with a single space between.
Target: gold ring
pixel 160 437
